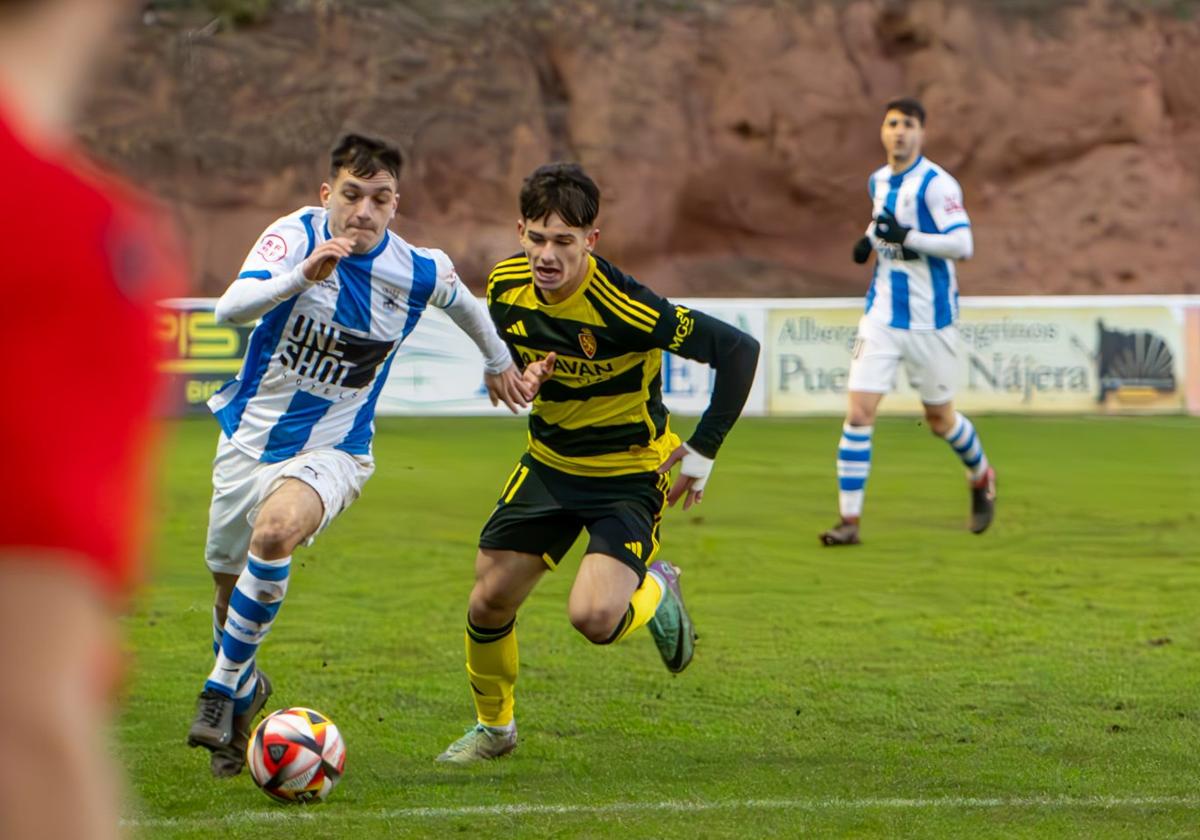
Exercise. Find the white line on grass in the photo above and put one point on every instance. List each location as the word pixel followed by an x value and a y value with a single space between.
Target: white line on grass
pixel 682 806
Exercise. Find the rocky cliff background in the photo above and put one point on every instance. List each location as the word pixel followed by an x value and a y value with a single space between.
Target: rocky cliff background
pixel 731 140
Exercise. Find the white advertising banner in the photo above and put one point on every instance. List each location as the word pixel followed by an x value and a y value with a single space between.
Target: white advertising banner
pixel 1077 355
pixel 1017 354
pixel 808 348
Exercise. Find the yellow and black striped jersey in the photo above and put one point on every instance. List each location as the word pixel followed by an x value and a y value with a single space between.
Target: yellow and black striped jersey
pixel 602 411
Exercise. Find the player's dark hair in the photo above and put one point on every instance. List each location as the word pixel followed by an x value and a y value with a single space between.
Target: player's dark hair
pixel 909 106
pixel 364 156
pixel 562 188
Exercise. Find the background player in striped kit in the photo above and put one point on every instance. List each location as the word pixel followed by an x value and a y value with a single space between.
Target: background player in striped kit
pixel 919 229
pixel 337 294
pixel 600 446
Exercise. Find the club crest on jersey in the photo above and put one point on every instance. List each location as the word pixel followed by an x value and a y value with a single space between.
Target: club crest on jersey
pixel 391 297
pixel 587 341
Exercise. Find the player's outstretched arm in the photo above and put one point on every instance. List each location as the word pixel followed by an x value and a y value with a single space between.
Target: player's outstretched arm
pixel 734 356
pixel 501 376
pixel 257 291
pixel 654 322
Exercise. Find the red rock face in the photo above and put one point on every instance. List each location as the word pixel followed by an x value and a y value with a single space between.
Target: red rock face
pixel 732 140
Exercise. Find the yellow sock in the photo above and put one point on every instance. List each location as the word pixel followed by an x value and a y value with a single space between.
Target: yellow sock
pixel 492 670
pixel 641 608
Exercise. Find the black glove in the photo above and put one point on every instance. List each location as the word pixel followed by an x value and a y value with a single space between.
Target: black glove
pixel 889 230
pixel 862 250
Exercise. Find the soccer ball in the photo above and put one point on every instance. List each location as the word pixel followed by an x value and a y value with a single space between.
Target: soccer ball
pixel 296 755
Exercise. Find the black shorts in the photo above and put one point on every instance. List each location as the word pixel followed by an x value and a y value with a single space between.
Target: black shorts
pixel 542 510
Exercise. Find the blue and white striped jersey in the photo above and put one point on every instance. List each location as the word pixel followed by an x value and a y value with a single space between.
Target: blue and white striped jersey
pixel 913 291
pixel 316 362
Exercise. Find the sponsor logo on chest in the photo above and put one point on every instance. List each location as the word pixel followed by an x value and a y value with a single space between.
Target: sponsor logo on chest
pixel 572 369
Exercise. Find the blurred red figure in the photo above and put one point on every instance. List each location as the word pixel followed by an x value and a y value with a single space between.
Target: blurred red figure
pixel 84 260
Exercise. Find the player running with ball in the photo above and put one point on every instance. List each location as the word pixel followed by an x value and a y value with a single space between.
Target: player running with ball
pixel 335 294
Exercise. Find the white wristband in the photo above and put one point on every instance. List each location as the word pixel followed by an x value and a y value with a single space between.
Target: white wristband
pixel 696 466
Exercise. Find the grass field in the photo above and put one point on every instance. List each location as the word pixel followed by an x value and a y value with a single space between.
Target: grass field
pixel 1041 680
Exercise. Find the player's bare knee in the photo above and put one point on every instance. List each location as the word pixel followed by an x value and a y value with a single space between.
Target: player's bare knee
pixel 489 607
pixel 860 417
pixel 936 427
pixel 939 420
pixel 596 624
pixel 274 538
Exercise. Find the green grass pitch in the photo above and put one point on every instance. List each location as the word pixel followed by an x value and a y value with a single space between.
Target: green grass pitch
pixel 1040 680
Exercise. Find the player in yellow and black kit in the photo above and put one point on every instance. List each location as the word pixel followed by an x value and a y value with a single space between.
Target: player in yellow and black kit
pixel 590 340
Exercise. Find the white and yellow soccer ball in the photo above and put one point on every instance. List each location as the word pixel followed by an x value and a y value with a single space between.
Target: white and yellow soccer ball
pixel 296 755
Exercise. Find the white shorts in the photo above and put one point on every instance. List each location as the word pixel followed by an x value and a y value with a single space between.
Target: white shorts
pixel 930 360
pixel 241 484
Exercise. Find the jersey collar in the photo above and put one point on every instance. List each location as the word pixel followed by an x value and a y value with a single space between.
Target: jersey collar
pixel 897 177
pixel 575 295
pixel 370 255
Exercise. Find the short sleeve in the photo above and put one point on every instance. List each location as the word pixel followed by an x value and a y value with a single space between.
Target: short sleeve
pixel 944 201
